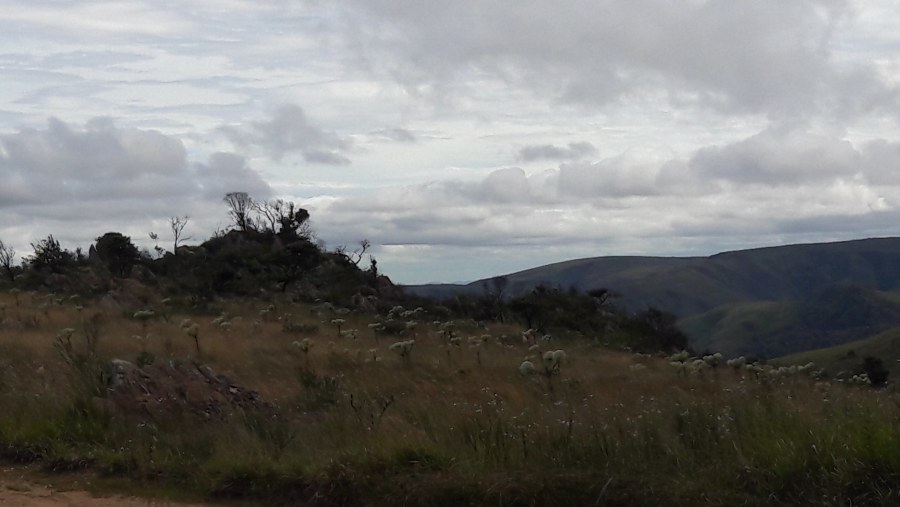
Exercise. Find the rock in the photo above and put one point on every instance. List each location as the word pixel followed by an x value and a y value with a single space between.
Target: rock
pixel 178 388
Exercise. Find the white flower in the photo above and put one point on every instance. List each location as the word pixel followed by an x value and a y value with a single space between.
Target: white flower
pixel 527 368
pixel 403 348
pixel 191 330
pixel 737 362
pixel 553 359
pixel 144 314
pixel 680 356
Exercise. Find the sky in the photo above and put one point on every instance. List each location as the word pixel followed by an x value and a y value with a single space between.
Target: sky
pixel 463 139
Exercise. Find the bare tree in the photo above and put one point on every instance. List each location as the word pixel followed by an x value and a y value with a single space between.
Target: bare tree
pixel 177 224
pixel 283 218
pixel 358 253
pixel 7 256
pixel 239 206
pixel 270 213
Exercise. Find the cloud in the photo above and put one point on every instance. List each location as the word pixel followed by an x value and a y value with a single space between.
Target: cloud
pixel 94 19
pixel 395 134
pixel 572 151
pixel 289 131
pixel 228 172
pixel 61 163
pixel 66 172
pixel 769 57
pixel 779 183
pixel 780 156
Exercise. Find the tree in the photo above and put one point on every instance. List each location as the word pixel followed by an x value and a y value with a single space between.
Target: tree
pixel 283 218
pixel 494 296
pixel 7 256
pixel 177 224
pixel 877 373
pixel 118 252
pixel 49 255
pixel 358 254
pixel 239 206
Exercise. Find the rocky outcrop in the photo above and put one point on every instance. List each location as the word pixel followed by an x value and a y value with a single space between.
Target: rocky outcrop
pixel 175 387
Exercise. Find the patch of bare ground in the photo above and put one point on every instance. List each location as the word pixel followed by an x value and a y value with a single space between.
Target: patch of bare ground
pixel 23 487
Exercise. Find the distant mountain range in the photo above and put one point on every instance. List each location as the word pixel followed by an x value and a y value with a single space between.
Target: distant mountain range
pixel 765 302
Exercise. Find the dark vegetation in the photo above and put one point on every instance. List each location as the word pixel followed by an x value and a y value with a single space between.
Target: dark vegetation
pixel 270 249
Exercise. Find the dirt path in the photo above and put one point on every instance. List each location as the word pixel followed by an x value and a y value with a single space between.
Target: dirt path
pixel 20 487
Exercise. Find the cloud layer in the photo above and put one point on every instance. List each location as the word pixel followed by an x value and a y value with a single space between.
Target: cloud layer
pixel 462 138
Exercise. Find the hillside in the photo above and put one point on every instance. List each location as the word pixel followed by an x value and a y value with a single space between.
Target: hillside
pixel 765 301
pixel 269 401
pixel 839 314
pixel 847 358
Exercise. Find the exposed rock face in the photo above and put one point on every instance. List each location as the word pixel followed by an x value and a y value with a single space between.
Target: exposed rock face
pixel 178 388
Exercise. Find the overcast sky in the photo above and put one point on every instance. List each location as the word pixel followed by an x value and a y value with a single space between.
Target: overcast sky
pixel 464 139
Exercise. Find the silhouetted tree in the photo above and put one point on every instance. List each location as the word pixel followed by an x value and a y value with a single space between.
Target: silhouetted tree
pixel 658 331
pixel 239 206
pixel 50 256
pixel 117 252
pixel 7 256
pixel 177 224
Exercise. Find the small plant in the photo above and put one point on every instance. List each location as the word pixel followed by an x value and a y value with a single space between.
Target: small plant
pixel 304 346
pixel 144 317
pixel 370 411
pixel 191 329
pixel 403 348
pixel 338 323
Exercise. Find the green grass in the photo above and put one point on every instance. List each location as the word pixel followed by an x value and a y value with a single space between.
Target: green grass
pixel 849 356
pixel 447 427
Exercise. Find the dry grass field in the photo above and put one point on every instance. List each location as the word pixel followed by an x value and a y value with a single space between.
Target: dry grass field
pixel 342 418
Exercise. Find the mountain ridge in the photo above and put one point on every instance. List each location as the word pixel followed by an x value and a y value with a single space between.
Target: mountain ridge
pixel 690 287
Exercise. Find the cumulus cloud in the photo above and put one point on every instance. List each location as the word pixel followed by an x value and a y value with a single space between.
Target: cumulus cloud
pixel 99 161
pixel 766 56
pixel 777 183
pixel 228 172
pixel 572 151
pixel 290 131
pixel 65 171
pixel 780 156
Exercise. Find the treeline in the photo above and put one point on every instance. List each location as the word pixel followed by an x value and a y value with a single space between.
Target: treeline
pixel 270 250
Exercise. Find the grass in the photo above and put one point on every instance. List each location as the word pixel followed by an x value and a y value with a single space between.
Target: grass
pixel 445 427
pixel 848 358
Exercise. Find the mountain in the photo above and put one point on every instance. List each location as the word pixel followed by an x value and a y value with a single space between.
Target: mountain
pixel 764 301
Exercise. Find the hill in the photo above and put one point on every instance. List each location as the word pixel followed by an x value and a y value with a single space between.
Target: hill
pixel 844 359
pixel 764 301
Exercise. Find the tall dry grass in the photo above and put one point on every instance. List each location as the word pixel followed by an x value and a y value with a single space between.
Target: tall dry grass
pixel 451 425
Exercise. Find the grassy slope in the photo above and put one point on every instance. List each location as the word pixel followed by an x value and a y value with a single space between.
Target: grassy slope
pixel 463 427
pixel 849 356
pixel 839 314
